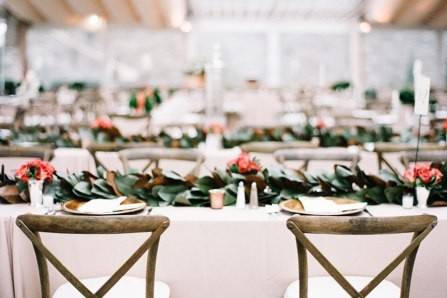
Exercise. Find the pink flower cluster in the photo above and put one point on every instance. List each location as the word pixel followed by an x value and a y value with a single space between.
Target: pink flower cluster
pixel 424 172
pixel 244 164
pixel 102 122
pixel 35 169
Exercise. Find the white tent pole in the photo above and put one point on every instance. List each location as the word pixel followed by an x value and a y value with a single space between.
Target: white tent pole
pixel 441 61
pixel 357 66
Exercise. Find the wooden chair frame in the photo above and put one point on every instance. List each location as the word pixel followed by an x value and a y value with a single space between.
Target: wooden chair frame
pixel 40 152
pixel 382 148
pixel 316 154
pixel 271 147
pixel 31 225
pixel 420 226
pixel 115 147
pixel 154 155
pixel 424 156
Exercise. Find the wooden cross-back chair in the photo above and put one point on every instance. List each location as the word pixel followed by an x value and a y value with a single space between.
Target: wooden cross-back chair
pixel 271 147
pixel 383 148
pixel 317 154
pixel 39 152
pixel 420 226
pixel 424 156
pixel 95 148
pixel 155 155
pixel 32 225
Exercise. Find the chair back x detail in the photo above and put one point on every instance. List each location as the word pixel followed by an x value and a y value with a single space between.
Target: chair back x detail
pixel 155 155
pixel 317 154
pixel 423 156
pixel 96 148
pixel 31 225
pixel 420 226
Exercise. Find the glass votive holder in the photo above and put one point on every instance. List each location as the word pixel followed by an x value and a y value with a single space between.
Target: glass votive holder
pixel 407 201
pixel 48 202
pixel 217 198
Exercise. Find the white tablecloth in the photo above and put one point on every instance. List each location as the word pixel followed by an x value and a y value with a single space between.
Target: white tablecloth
pixel 230 253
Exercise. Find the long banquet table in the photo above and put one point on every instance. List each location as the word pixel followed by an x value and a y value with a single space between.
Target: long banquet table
pixel 221 253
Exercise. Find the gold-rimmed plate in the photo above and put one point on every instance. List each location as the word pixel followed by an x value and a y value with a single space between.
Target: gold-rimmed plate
pixel 295 206
pixel 133 206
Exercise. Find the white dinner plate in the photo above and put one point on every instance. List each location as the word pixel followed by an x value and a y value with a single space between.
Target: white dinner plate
pixel 72 206
pixel 295 206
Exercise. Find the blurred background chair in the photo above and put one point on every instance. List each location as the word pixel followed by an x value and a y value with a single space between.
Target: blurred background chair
pixel 154 156
pixel 382 149
pixel 336 285
pixel 115 286
pixel 105 155
pixel 425 156
pixel 11 157
pixel 264 150
pixel 347 155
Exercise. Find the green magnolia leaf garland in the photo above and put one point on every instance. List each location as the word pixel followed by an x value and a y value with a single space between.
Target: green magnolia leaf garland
pixel 169 188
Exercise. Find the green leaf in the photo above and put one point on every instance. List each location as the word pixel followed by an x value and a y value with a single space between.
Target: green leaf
pixel 173 176
pixel 125 184
pixel 83 190
pixel 204 184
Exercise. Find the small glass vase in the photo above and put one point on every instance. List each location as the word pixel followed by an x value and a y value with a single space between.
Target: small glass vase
pixel 35 188
pixel 217 198
pixel 422 194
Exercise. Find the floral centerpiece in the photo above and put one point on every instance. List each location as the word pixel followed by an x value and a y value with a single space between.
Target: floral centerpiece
pixel 248 170
pixel 244 164
pixel 424 177
pixel 104 130
pixel 144 101
pixel 35 173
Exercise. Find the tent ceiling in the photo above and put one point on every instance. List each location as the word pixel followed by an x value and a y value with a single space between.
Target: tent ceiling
pixel 172 13
pixel 153 13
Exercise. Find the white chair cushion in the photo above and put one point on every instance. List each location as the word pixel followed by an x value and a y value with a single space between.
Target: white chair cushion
pixel 326 286
pixel 126 287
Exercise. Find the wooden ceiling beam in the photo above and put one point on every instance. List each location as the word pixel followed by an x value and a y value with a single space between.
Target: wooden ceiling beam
pixel 86 7
pixel 24 10
pixel 400 10
pixel 438 18
pixel 120 11
pixel 149 12
pixel 55 11
pixel 418 11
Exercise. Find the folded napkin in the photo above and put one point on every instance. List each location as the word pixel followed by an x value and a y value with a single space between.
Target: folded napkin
pixel 324 205
pixel 102 205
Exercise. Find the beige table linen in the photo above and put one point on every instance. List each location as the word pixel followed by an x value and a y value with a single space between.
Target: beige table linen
pixel 228 253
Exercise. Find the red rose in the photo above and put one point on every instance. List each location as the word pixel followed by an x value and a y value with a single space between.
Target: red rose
pixel 320 124
pixel 35 169
pixel 444 125
pixel 244 164
pixel 410 175
pixel 103 122
pixel 425 175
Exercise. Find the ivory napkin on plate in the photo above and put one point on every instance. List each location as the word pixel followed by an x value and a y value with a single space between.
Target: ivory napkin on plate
pixel 323 205
pixel 102 205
